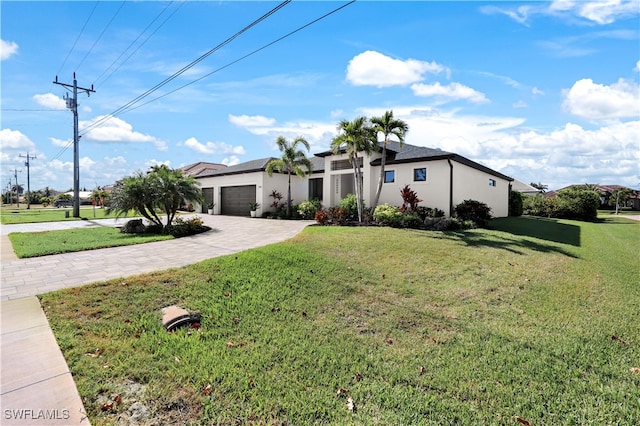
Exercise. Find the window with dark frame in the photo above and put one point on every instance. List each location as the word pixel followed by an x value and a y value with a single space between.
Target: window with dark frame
pixel 492 182
pixel 420 175
pixel 389 176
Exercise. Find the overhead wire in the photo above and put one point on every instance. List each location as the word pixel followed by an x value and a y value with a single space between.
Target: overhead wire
pixel 78 37
pixel 101 34
pixel 97 80
pixel 181 71
pixel 245 56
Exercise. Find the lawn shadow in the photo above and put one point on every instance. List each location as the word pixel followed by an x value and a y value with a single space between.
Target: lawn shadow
pixel 539 227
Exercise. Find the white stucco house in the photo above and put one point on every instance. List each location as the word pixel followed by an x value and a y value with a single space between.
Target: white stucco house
pixel 441 179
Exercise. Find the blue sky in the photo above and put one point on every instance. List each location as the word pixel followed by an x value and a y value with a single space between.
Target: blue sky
pixel 541 91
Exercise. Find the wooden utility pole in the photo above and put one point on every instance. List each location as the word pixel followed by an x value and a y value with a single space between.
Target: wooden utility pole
pixel 26 163
pixel 72 104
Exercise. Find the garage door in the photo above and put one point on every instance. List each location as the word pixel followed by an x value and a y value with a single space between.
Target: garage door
pixel 235 200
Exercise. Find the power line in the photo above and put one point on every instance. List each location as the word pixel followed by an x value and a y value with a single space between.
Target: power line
pixel 245 56
pixel 101 34
pixel 135 41
pixel 78 38
pixel 185 68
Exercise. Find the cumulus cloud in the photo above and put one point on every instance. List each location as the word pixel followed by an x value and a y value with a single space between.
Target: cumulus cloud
pixel 49 100
pixel 116 130
pixel 211 148
pixel 251 120
pixel 231 161
pixel 15 140
pixel 597 102
pixel 7 49
pixel 605 12
pixel 637 67
pixel 375 69
pixel 453 91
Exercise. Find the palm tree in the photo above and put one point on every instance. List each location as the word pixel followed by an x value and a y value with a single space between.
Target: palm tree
pixel 354 137
pixel 293 161
pixel 161 190
pixel 388 126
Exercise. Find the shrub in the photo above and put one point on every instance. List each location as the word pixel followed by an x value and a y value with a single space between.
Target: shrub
pixel 440 223
pixel 578 203
pixel 182 228
pixel 456 223
pixel 411 220
pixel 475 211
pixel 350 204
pixel 515 203
pixel 387 215
pixel 307 209
pixel 410 199
pixel 332 216
pixel 425 212
pixel 322 217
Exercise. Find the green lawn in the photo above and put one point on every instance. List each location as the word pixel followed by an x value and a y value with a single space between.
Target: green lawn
pixel 12 215
pixel 33 244
pixel 536 319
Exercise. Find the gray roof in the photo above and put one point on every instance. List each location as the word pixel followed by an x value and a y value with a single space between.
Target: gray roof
pixel 412 154
pixel 259 165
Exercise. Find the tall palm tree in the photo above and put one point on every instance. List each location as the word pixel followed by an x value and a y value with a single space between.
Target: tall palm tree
pixel 293 161
pixel 388 126
pixel 354 137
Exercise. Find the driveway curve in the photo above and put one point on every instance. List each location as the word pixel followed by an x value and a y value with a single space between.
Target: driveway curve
pixel 28 277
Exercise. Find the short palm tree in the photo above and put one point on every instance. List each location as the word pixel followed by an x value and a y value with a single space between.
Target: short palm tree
pixel 293 161
pixel 354 137
pixel 388 126
pixel 161 190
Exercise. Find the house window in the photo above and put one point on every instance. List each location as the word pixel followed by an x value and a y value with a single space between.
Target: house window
pixel 315 188
pixel 420 175
pixel 492 182
pixel 389 176
pixel 344 164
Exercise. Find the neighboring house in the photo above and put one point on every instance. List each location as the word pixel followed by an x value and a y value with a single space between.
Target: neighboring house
pixel 605 192
pixel 201 168
pixel 441 179
pixel 524 188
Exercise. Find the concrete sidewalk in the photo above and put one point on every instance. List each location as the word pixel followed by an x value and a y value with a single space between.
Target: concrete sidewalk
pixel 36 385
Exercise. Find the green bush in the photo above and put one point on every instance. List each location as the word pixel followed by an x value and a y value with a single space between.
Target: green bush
pixel 183 228
pixel 475 211
pixel 515 203
pixel 425 212
pixel 307 209
pixel 576 203
pixel 350 204
pixel 387 215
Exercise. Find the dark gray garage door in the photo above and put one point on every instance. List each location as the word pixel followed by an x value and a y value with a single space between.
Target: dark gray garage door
pixel 235 199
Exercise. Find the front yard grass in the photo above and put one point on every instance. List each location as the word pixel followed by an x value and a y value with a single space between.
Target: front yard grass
pixel 536 320
pixel 33 244
pixel 10 215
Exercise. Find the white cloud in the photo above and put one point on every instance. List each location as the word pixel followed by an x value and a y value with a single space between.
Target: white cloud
pixel 375 69
pixel 154 162
pixel 49 100
pixel 231 161
pixel 116 130
pixel 568 155
pixel 637 67
pixel 453 91
pixel 606 12
pixel 601 12
pixel 15 140
pixel 520 104
pixel 536 92
pixel 61 142
pixel 7 49
pixel 597 102
pixel 251 120
pixel 211 148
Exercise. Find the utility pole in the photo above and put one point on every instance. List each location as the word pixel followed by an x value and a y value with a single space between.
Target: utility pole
pixel 15 174
pixel 72 104
pixel 26 163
